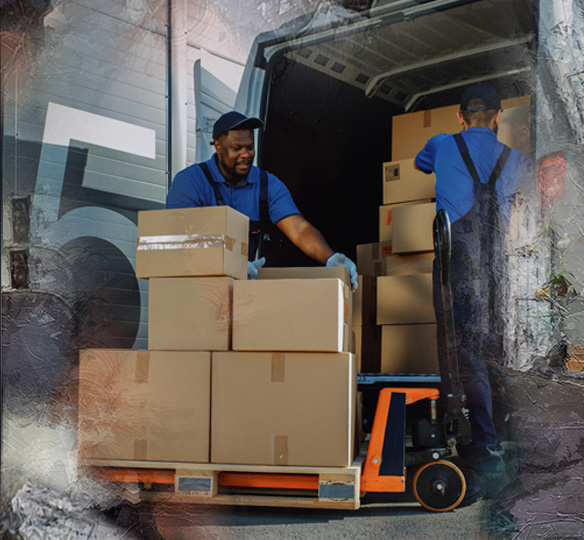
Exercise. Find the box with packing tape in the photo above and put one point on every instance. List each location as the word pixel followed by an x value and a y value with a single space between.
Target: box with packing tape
pixel 411 131
pixel 283 408
pixel 207 241
pixel 402 182
pixel 291 315
pixel 190 313
pixel 144 405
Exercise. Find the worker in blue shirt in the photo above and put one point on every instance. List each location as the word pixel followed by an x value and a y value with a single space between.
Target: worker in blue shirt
pixel 477 178
pixel 229 178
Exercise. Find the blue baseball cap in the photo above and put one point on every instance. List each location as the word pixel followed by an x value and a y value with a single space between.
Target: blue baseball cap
pixel 486 92
pixel 234 120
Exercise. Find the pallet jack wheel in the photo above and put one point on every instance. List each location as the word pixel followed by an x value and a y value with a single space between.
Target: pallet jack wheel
pixel 439 486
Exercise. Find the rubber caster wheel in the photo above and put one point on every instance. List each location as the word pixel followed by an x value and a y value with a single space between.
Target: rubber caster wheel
pixel 439 486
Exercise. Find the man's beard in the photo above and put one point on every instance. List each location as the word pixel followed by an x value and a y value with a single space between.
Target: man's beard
pixel 232 171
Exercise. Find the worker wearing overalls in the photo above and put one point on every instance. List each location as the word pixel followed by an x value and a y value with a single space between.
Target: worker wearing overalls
pixel 477 178
pixel 229 178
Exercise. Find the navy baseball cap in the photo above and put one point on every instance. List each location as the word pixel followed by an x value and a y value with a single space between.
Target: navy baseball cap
pixel 483 91
pixel 234 120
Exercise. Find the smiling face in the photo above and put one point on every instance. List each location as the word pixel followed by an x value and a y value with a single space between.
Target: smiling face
pixel 235 154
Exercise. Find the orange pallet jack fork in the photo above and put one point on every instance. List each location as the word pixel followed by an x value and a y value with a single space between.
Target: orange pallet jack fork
pixel 384 468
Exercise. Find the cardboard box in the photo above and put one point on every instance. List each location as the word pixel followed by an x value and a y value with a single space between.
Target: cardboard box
pixel 312 272
pixel 283 408
pixel 409 348
pixel 190 313
pixel 291 315
pixel 365 302
pixel 370 258
pixel 411 131
pixel 413 228
pixel 208 241
pixel 144 405
pixel 402 183
pixel 368 348
pixel 306 272
pixel 405 299
pixel 401 265
pixel 387 221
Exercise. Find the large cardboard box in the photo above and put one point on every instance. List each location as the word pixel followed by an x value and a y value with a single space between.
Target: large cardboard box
pixel 283 408
pixel 305 272
pixel 190 313
pixel 144 405
pixel 409 348
pixel 313 272
pixel 402 182
pixel 370 258
pixel 208 241
pixel 413 228
pixel 405 299
pixel 411 131
pixel 365 302
pixel 291 315
pixel 415 263
pixel 368 348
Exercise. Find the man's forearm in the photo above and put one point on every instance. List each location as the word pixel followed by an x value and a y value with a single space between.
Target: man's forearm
pixel 306 237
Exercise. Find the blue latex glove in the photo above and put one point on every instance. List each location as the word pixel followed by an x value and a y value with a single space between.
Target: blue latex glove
pixel 338 259
pixel 253 266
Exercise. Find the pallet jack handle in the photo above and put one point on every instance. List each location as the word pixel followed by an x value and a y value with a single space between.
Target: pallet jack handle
pixel 456 422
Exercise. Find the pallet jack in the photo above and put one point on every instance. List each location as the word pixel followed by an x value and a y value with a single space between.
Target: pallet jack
pixel 437 483
pixel 406 439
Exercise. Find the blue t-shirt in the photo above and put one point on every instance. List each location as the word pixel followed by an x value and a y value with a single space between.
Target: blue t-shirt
pixel 454 185
pixel 190 188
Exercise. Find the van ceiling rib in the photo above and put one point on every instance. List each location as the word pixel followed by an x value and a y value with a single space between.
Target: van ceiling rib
pixel 402 55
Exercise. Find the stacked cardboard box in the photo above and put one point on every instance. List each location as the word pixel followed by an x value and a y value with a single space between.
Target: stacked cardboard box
pixel 237 371
pixel 405 307
pixel 155 405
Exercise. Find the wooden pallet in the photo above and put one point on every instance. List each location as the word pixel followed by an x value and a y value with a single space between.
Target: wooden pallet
pixel 226 484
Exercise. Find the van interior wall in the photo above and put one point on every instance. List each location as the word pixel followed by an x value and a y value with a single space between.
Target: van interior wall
pixel 326 141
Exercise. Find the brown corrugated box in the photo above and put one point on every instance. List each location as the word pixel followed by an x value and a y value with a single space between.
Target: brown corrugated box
pixel 291 315
pixel 405 299
pixel 306 272
pixel 207 241
pixel 403 183
pixel 409 348
pixel 368 348
pixel 413 228
pixel 313 272
pixel 144 405
pixel 283 408
pixel 414 263
pixel 370 258
pixel 365 302
pixel 190 313
pixel 411 131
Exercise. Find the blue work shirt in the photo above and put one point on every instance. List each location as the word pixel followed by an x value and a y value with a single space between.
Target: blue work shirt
pixel 190 188
pixel 454 185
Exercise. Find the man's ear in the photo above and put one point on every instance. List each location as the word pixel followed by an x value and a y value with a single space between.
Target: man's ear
pixel 460 118
pixel 497 118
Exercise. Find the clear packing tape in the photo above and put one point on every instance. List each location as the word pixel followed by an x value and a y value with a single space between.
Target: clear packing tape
pixel 185 241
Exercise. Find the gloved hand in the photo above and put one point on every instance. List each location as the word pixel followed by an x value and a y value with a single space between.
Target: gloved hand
pixel 253 266
pixel 338 259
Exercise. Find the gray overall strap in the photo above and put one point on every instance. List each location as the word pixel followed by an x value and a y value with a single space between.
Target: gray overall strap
pixel 463 149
